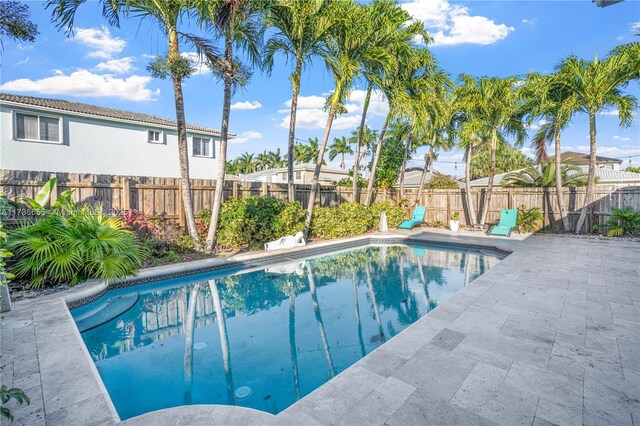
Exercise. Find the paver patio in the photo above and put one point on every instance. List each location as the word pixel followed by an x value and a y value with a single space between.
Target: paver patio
pixel 550 335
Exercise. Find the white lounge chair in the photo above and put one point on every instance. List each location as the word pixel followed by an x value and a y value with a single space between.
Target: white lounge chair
pixel 288 268
pixel 290 241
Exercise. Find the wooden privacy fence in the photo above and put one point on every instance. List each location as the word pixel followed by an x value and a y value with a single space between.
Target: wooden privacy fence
pixel 156 196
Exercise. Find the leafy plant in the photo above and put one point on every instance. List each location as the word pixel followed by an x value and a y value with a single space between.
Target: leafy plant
pixel 632 169
pixel 83 244
pixel 624 221
pixel 6 394
pixel 544 176
pixel 442 181
pixel 395 214
pixel 528 220
pixel 345 220
pixel 455 216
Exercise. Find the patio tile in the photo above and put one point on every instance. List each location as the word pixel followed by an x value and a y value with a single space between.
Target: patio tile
pixel 395 389
pixel 382 362
pixel 374 409
pixel 610 398
pixel 325 405
pixel 558 414
pixel 525 331
pixel 588 359
pixel 447 339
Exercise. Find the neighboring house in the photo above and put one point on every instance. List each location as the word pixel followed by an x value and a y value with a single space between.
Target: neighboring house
pixel 582 160
pixel 412 176
pixel 603 177
pixel 302 173
pixel 54 135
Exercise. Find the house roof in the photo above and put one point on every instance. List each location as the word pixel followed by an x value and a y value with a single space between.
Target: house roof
pixel 100 112
pixel 604 176
pixel 580 159
pixel 296 167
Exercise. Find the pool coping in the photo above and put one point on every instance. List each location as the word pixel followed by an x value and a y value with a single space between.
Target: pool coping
pixel 65 399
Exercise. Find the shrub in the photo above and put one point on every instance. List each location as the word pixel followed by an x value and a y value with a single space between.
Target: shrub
pixel 70 248
pixel 395 214
pixel 442 181
pixel 624 221
pixel 528 220
pixel 345 220
pixel 253 221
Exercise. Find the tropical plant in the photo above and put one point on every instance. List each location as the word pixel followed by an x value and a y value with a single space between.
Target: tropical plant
pixel 340 146
pixel 495 107
pixel 307 153
pixel 240 25
pixel 544 176
pixel 624 221
pixel 597 85
pixel 300 32
pixel 168 15
pixel 7 394
pixel 15 23
pixel 441 181
pixel 631 169
pixel 455 216
pixel 82 244
pixel 528 220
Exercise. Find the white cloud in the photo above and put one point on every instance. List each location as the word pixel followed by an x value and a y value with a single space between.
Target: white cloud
pixel 198 62
pixel 246 137
pixel 246 105
pixel 117 66
pixel 621 138
pixel 528 21
pixel 311 115
pixel 24 61
pixel 612 151
pixel 85 83
pixel 452 24
pixel 614 113
pixel 100 41
pixel 635 27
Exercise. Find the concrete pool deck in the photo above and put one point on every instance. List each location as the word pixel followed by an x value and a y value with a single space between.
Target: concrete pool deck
pixel 549 335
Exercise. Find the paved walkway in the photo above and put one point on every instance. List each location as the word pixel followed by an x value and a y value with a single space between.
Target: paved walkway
pixel 551 335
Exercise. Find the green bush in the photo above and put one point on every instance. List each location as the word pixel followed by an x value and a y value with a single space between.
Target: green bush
pixel 528 220
pixel 345 220
pixel 74 246
pixel 442 181
pixel 253 221
pixel 395 214
pixel 624 221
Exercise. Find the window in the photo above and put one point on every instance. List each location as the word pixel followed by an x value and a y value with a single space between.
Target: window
pixel 298 175
pixel 202 147
pixel 34 127
pixel 154 136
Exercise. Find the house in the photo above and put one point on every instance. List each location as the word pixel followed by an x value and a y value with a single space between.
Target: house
pixel 607 171
pixel 302 174
pixel 54 135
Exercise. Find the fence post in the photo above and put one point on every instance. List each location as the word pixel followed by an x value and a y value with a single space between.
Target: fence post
pixel 125 195
pixel 265 189
pixel 182 219
pixel 509 200
pixel 54 191
pixel 448 207
pixel 234 189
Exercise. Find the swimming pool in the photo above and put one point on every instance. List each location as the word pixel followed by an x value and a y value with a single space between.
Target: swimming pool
pixel 286 328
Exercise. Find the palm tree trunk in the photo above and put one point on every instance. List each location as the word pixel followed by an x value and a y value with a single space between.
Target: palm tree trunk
pixel 318 314
pixel 591 177
pixel 427 166
pixel 188 342
pixel 492 172
pixel 222 155
pixel 356 308
pixel 376 311
pixel 342 163
pixel 376 158
pixel 559 189
pixel 404 164
pixel 292 345
pixel 356 174
pixel 316 174
pixel 224 340
pixel 471 211
pixel 183 152
pixel 295 82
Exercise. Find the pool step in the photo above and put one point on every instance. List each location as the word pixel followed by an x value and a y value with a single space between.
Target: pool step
pixel 113 307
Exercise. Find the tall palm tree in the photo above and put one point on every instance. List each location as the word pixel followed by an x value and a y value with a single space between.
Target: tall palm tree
pixel 348 50
pixel 547 99
pixel 340 146
pixel 168 14
pixel 190 322
pixel 246 163
pixel 496 106
pixel 597 85
pixel 318 315
pixel 363 138
pixel 239 24
pixel 300 33
pixel 221 320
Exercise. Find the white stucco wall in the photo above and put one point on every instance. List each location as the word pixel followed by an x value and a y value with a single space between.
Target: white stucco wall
pixel 92 145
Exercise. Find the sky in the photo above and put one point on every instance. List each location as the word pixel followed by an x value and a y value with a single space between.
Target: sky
pixel 106 66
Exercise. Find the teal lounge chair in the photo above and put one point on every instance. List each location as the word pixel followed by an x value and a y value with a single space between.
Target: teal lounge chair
pixel 507 223
pixel 416 219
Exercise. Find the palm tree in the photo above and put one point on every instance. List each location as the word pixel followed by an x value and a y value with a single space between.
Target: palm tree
pixel 348 50
pixel 168 15
pixel 547 99
pixel 340 146
pixel 597 85
pixel 365 138
pixel 239 24
pixel 221 320
pixel 246 163
pixel 496 107
pixel 192 302
pixel 318 315
pixel 545 176
pixel 300 31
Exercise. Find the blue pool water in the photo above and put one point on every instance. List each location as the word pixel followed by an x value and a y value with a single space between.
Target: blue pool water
pixel 264 338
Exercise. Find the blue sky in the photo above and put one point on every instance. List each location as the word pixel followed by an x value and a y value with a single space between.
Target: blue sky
pixel 106 66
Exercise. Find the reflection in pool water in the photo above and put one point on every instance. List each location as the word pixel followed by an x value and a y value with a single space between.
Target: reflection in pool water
pixel 280 332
